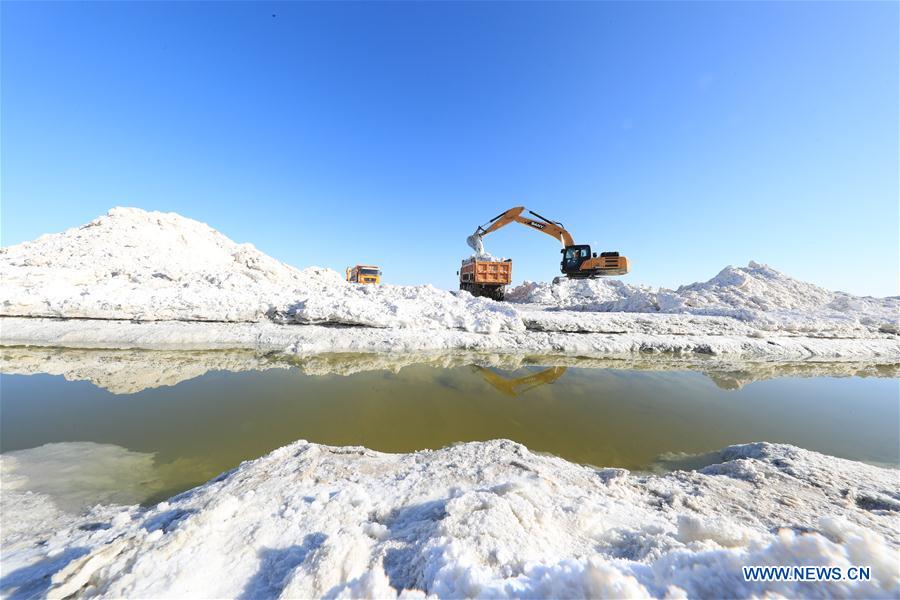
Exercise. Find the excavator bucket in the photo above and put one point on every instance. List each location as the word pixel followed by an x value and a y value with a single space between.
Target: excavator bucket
pixel 476 243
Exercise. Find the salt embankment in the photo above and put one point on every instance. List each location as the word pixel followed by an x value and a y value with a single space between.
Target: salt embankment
pixel 160 280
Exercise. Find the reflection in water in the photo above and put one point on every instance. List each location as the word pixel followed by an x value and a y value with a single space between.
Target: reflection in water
pixel 513 386
pixel 180 418
pixel 131 371
pixel 78 475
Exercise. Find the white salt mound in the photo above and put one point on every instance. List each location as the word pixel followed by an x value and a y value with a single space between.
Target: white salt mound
pixel 135 264
pixel 756 294
pixel 483 519
pixel 149 266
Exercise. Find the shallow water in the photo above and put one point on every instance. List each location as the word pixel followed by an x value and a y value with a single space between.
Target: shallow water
pixel 150 442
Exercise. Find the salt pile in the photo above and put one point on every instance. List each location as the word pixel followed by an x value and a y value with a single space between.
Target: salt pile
pixel 388 306
pixel 482 257
pixel 135 264
pixel 151 266
pixel 484 519
pixel 757 294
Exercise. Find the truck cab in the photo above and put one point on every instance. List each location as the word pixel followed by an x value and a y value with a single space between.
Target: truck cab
pixel 364 274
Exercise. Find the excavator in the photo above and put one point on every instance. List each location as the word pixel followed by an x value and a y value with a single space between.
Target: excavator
pixel 578 262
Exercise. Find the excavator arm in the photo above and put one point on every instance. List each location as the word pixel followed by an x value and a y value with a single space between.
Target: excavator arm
pixel 552 228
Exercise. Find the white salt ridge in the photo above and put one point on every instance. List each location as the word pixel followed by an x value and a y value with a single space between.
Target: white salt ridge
pixel 390 306
pixel 484 519
pixel 152 266
pixel 134 265
pixel 758 295
pixel 621 335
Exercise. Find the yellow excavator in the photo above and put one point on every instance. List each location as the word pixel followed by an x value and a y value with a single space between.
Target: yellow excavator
pixel 578 262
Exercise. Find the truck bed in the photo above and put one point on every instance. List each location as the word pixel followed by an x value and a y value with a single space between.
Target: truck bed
pixel 485 278
pixel 486 272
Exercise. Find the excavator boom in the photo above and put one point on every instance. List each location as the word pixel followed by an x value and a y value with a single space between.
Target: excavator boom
pixel 542 224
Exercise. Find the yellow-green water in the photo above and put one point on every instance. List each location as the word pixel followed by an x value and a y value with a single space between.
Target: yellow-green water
pixel 626 418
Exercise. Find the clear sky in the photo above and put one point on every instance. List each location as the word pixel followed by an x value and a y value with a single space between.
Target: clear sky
pixel 688 136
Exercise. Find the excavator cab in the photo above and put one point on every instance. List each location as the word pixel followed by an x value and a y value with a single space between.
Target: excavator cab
pixel 573 256
pixel 580 263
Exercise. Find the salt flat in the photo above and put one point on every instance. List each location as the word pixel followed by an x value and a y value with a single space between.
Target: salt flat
pixel 483 519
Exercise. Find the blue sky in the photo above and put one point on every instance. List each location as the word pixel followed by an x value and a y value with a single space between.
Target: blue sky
pixel 688 136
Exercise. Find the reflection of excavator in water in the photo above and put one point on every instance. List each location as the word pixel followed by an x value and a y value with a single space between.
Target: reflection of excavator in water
pixel 578 261
pixel 509 386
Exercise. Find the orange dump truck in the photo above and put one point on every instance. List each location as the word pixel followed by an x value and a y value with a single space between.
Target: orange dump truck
pixel 485 277
pixel 364 274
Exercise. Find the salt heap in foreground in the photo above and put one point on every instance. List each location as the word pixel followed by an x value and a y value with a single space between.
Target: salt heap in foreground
pixel 483 519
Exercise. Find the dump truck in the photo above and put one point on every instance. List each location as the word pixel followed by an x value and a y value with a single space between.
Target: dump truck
pixel 487 278
pixel 364 274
